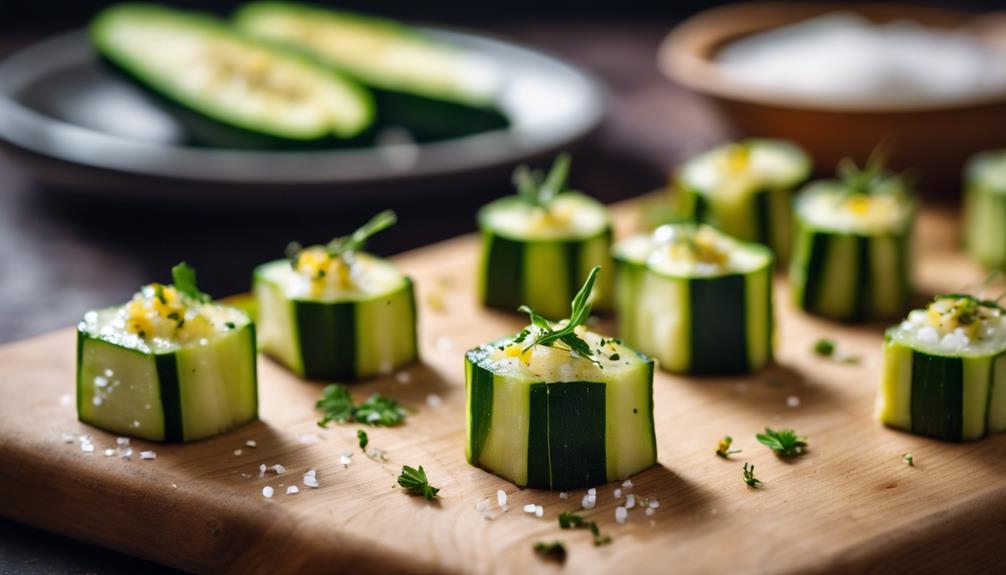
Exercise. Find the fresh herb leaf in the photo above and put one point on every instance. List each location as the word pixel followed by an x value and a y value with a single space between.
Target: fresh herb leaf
pixel 554 551
pixel 723 448
pixel 336 404
pixel 785 442
pixel 908 459
pixel 873 178
pixel 344 247
pixel 824 347
pixel 749 477
pixel 415 482
pixel 361 435
pixel 570 520
pixel 579 313
pixel 614 357
pixel 183 276
pixel 538 190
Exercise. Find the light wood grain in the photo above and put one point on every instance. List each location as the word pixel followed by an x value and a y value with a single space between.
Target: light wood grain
pixel 850 505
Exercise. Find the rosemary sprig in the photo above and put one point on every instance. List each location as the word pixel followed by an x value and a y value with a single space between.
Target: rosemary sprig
pixel 343 247
pixel 538 190
pixel 549 335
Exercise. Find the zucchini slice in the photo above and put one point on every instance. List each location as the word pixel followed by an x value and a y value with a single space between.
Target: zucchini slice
pixel 696 299
pixel 167 366
pixel 229 80
pixel 336 313
pixel 944 373
pixel 744 189
pixel 852 254
pixel 434 89
pixel 985 209
pixel 538 246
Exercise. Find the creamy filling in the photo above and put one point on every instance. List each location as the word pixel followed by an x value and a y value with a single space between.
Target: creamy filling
pixel 316 274
pixel 686 250
pixel 567 216
pixel 960 326
pixel 828 206
pixel 559 364
pixel 745 167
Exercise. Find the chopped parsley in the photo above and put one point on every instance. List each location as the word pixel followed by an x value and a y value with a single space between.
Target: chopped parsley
pixel 415 482
pixel 361 435
pixel 749 477
pixel 824 347
pixel 579 313
pixel 336 404
pixel 183 277
pixel 785 442
pixel 723 447
pixel 908 459
pixel 554 551
pixel 570 520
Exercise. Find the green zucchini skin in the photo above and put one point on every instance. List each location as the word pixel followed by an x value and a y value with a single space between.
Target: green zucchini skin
pixel 849 276
pixel 945 397
pixel 344 340
pixel 559 435
pixel 429 113
pixel 715 325
pixel 765 216
pixel 213 125
pixel 187 395
pixel 984 225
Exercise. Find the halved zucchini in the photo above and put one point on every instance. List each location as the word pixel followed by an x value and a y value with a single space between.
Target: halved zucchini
pixel 434 89
pixel 744 189
pixel 944 373
pixel 167 366
pixel 697 300
pixel 230 81
pixel 985 209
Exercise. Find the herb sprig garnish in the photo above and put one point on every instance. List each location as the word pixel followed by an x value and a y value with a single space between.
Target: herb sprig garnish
pixel 549 335
pixel 723 447
pixel 749 477
pixel 336 404
pixel 344 247
pixel 872 178
pixel 909 459
pixel 539 190
pixel 554 551
pixel 570 520
pixel 362 438
pixel 416 483
pixel 183 277
pixel 784 443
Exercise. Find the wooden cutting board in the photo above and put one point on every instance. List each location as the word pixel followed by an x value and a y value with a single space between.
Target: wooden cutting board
pixel 851 504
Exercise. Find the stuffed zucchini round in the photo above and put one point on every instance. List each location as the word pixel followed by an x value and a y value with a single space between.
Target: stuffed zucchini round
pixel 985 209
pixel 944 373
pixel 559 407
pixel 336 313
pixel 167 366
pixel 696 299
pixel 852 251
pixel 744 189
pixel 538 246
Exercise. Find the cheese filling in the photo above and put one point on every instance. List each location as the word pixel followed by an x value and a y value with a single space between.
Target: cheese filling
pixel 828 206
pixel 687 250
pixel 559 364
pixel 746 167
pixel 955 324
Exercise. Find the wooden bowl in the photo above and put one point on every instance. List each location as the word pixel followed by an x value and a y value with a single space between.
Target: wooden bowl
pixel 932 139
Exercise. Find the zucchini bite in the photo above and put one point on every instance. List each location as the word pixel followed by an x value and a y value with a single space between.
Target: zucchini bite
pixel 852 249
pixel 744 189
pixel 538 246
pixel 434 89
pixel 696 299
pixel 944 372
pixel 334 312
pixel 544 416
pixel 167 366
pixel 237 90
pixel 985 209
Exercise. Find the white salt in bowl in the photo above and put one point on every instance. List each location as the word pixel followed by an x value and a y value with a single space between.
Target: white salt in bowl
pixel 931 123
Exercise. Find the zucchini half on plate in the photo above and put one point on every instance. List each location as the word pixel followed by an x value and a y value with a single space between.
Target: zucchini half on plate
pixel 167 366
pixel 852 254
pixel 548 417
pixel 334 312
pixel 233 90
pixel 745 189
pixel 985 209
pixel 944 372
pixel 696 299
pixel 430 87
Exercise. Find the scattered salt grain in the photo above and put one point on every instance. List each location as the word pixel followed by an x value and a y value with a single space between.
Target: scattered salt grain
pixel 65 399
pixel 630 501
pixel 482 506
pixel 125 452
pixel 312 472
pixel 592 491
pixel 628 484
pixel 311 481
pixel 251 443
pixel 621 514
pixel 262 469
pixel 650 511
pixel 563 495
pixel 122 441
pixel 292 490
pixel 529 508
pixel 654 503
pixel 793 401
pixel 279 469
pixel 588 501
pixel 109 452
pixel 501 498
pixel 539 511
pixel 267 491
pixel 87 447
pixel 238 452
pixel 618 493
pixel 433 400
pixel 308 439
pixel 345 460
pixel 403 377
pixel 68 438
pixel 148 455
pixel 136 424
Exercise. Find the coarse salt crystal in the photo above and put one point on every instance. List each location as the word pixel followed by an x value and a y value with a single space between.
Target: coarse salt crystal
pixel 293 489
pixel 588 501
pixel 539 511
pixel 621 514
pixel 262 469
pixel 312 472
pixel 148 455
pixel 122 441
pixel 251 443
pixel 793 401
pixel 126 453
pixel 529 508
pixel 654 503
pixel 592 491
pixel 630 501
pixel 618 493
pixel 563 495
pixel 109 452
pixel 267 491
pixel 87 447
pixel 311 481
pixel 650 511
pixel 627 484
pixel 279 469
pixel 433 400
pixel 345 460
pixel 501 497
pixel 238 452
